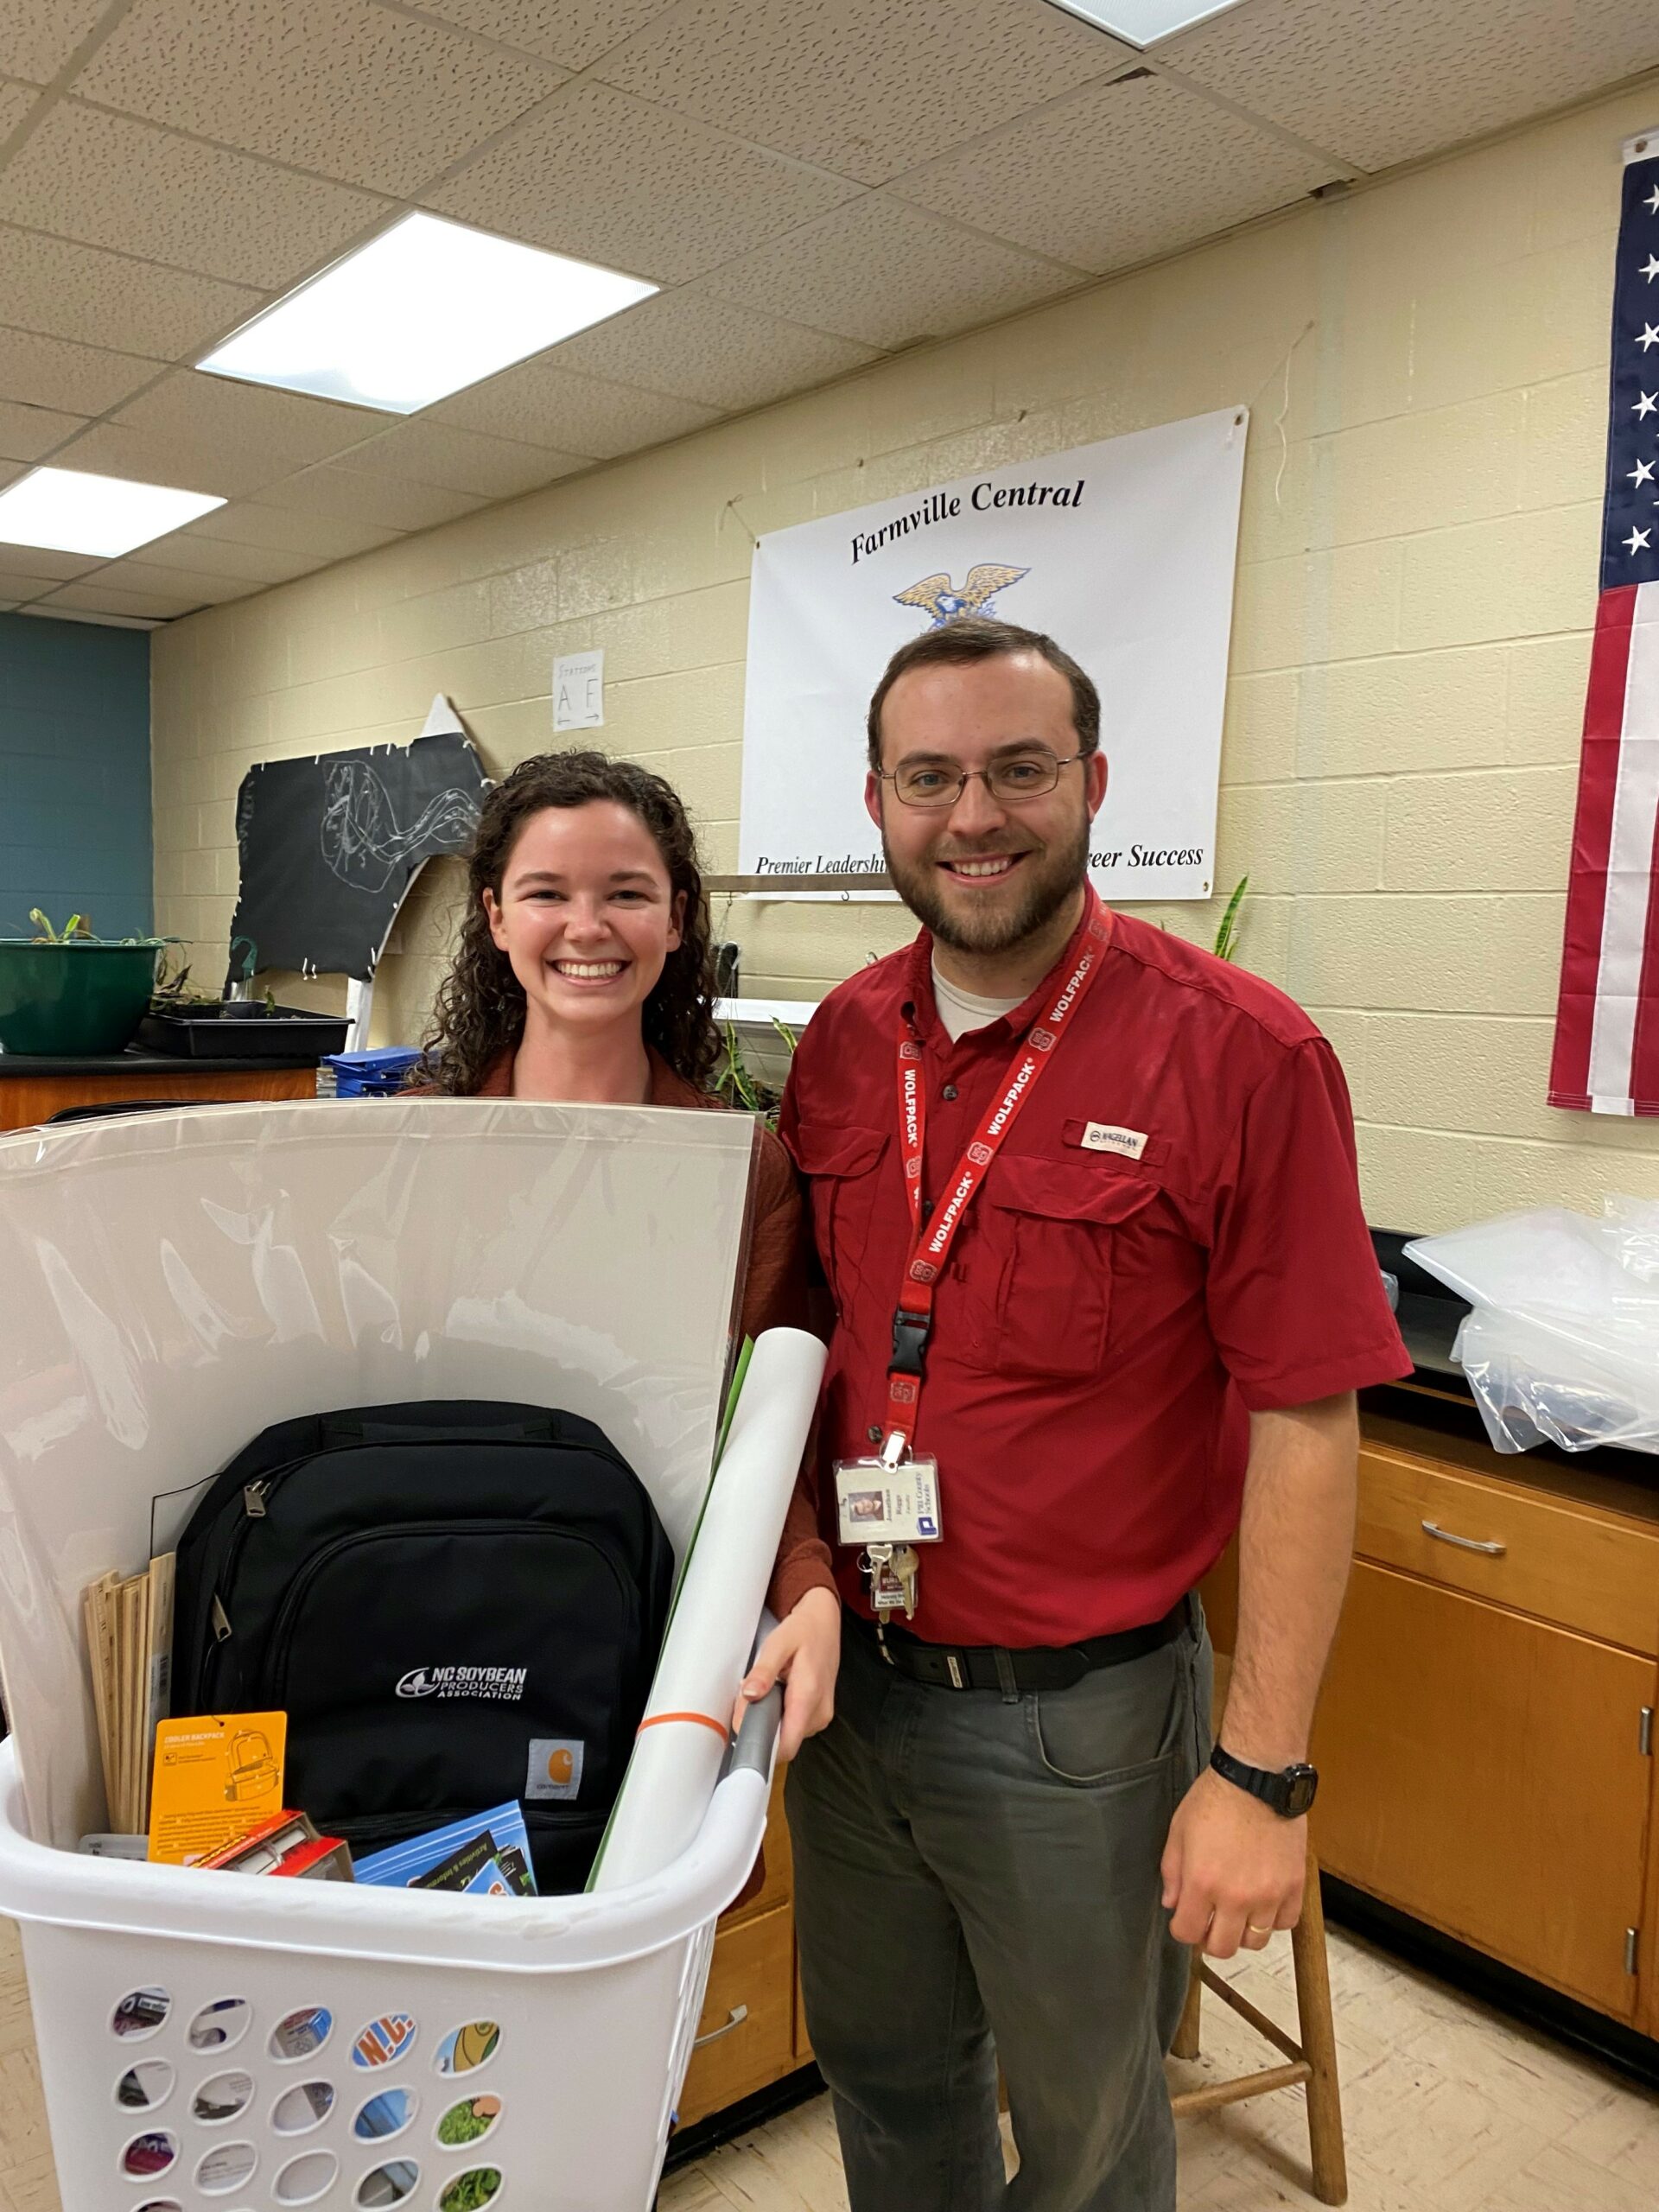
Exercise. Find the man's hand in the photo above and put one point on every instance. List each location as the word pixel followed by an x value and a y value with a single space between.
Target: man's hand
pixel 804 1653
pixel 1233 1871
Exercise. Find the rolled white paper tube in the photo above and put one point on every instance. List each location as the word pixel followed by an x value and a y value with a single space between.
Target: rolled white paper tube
pixel 683 1739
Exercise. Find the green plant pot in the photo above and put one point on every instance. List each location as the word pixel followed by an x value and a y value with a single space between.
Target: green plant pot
pixel 73 999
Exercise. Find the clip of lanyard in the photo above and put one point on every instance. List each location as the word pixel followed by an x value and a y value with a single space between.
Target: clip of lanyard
pixel 910 1331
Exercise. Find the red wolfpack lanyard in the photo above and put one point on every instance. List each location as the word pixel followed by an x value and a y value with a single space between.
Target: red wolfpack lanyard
pixel 932 1238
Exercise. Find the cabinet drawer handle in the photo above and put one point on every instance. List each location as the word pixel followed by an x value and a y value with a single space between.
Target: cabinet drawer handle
pixel 1464 1543
pixel 734 2018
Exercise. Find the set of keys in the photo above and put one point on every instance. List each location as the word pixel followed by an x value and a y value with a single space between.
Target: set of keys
pixel 892 1570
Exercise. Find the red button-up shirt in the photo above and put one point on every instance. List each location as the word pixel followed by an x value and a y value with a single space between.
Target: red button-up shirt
pixel 1107 1321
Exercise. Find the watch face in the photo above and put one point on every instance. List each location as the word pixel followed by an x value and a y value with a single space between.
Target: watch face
pixel 1303 1786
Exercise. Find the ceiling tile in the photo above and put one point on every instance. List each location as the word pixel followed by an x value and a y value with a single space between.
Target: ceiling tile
pixel 573 32
pixel 15 101
pixel 861 86
pixel 704 349
pixel 218 556
pixel 43 613
pixel 25 563
pixel 1384 85
pixel 429 451
pixel 609 180
pixel 888 275
pixel 96 598
pixel 105 299
pixel 1116 174
pixel 202 587
pixel 341 86
pixel 38 36
pixel 247 522
pixel 110 181
pixel 52 372
pixel 356 497
pixel 572 414
pixel 26 433
pixel 206 434
pixel 15 586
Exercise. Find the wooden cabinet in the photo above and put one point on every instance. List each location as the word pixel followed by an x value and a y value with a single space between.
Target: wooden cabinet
pixel 27 1097
pixel 1483 1771
pixel 1485 1763
pixel 747 2035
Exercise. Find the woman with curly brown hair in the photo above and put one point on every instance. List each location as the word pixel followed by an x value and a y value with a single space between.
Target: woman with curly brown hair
pixel 584 972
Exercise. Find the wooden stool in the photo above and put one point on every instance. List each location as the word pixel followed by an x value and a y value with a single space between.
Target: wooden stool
pixel 1311 2061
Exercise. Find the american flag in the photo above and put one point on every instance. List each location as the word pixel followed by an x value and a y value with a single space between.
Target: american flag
pixel 1606 1058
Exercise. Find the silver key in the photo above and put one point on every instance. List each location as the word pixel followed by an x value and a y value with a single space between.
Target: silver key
pixel 905 1567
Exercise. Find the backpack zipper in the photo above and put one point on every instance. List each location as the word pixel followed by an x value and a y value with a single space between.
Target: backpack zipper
pixel 210 1637
pixel 274 1675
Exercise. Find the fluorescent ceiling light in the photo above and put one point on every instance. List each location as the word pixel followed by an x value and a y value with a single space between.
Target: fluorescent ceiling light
pixel 423 310
pixel 74 512
pixel 1143 22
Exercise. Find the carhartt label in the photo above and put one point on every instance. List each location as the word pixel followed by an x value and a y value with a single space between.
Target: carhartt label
pixel 1103 1136
pixel 554 1767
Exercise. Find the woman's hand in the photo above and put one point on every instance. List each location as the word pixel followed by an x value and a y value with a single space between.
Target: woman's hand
pixel 802 1652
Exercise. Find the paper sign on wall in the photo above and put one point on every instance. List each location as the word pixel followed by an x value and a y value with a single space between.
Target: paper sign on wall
pixel 1123 551
pixel 579 691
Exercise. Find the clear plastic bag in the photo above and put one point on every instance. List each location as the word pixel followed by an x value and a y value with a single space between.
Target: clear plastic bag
pixel 1563 1342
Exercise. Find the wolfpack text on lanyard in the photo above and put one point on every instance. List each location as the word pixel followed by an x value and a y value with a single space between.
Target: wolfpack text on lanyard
pixel 932 1238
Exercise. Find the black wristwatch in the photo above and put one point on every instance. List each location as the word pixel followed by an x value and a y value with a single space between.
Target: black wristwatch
pixel 1290 1793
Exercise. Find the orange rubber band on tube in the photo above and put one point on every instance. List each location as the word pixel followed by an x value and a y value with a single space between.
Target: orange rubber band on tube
pixel 658 1719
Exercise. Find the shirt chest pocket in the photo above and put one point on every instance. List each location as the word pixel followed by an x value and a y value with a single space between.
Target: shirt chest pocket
pixel 1051 1230
pixel 843 1166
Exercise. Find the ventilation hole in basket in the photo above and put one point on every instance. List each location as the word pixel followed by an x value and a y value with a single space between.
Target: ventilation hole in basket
pixel 220 2025
pixel 385 2115
pixel 385 2041
pixel 298 2034
pixel 303 2180
pixel 389 2185
pixel 468 2047
pixel 221 2099
pixel 152 2153
pixel 304 2107
pixel 161 2204
pixel 144 2087
pixel 140 2012
pixel 469 2122
pixel 226 2167
pixel 468 2190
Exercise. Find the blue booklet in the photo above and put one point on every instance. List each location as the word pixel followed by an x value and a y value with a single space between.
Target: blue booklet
pixel 487 1854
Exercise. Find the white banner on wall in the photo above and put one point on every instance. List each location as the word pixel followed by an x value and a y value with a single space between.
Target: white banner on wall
pixel 1123 551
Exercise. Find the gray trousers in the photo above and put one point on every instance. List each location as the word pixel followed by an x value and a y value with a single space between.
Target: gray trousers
pixel 975 1880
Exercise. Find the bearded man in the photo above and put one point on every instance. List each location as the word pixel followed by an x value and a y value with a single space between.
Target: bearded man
pixel 1085 1199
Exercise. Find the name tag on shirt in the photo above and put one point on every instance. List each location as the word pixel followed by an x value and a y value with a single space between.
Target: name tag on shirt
pixel 1106 1136
pixel 876 1503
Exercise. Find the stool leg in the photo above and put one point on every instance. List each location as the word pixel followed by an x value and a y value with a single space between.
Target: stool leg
pixel 1185 2042
pixel 1317 2035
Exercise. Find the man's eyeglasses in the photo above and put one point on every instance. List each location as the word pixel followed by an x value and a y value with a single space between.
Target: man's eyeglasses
pixel 1018 776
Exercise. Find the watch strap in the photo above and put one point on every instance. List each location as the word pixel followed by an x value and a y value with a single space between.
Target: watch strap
pixel 1289 1792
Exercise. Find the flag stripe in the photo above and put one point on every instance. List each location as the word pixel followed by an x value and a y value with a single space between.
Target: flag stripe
pixel 1641 740
pixel 1592 839
pixel 1630 876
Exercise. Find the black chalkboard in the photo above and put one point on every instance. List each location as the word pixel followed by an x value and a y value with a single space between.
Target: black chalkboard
pixel 329 846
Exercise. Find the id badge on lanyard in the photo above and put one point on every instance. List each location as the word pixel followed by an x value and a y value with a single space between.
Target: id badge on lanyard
pixel 890 1505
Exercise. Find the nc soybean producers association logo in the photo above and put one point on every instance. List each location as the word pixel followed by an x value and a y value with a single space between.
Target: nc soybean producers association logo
pixel 501 1685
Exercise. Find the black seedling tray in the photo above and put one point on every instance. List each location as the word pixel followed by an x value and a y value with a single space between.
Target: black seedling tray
pixel 234 1033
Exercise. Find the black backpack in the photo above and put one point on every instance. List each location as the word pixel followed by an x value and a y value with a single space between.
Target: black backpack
pixel 454 1603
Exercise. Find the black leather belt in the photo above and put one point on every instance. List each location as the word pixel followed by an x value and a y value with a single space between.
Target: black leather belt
pixel 985 1667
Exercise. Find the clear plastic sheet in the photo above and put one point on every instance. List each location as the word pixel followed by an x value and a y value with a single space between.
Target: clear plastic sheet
pixel 1563 1343
pixel 172 1283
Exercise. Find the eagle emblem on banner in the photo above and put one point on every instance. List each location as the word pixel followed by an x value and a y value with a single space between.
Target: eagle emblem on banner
pixel 938 597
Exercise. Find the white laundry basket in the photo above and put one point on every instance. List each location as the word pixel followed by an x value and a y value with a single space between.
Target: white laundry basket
pixel 170 1285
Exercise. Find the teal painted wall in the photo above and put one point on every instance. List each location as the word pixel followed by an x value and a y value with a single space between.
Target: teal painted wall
pixel 74 776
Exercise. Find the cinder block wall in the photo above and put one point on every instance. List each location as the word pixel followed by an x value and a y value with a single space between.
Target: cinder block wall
pixel 1427 362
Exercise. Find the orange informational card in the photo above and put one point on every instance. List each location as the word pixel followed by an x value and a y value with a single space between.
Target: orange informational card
pixel 216 1776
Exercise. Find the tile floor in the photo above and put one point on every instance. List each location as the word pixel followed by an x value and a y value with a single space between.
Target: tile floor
pixel 1448 2107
